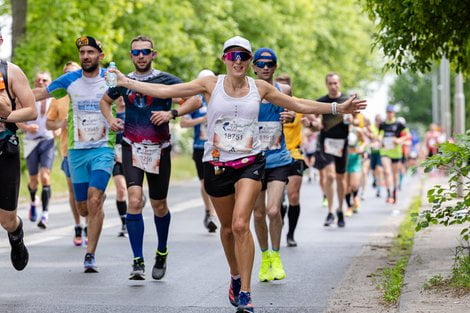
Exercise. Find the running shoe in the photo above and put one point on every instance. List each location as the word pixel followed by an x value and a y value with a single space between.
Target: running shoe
pixel 234 291
pixel 206 219
pixel 378 193
pixel 290 241
pixel 89 264
pixel 356 205
pixel 265 273
pixel 33 216
pixel 277 269
pixel 349 212
pixel 123 231
pixel 211 225
pixel 159 269
pixel 245 305
pixel 43 222
pixel 390 200
pixel 324 202
pixel 330 219
pixel 77 240
pixel 19 254
pixel 340 216
pixel 138 270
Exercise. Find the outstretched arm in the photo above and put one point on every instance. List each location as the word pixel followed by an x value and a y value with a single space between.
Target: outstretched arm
pixel 268 92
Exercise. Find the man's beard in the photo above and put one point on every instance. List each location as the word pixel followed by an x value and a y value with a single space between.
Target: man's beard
pixel 90 68
pixel 144 69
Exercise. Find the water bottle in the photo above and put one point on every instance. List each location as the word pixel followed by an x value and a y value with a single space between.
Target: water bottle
pixel 111 78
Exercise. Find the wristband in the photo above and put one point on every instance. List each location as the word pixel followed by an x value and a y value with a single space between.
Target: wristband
pixel 333 108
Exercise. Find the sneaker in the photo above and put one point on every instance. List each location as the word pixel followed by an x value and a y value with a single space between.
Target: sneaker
pixel 33 216
pixel 349 212
pixel 245 304
pixel 340 216
pixel 234 291
pixel 159 269
pixel 211 225
pixel 89 264
pixel 265 274
pixel 276 266
pixel 356 205
pixel 43 222
pixel 138 270
pixel 77 240
pixel 330 218
pixel 206 219
pixel 378 193
pixel 19 254
pixel 324 202
pixel 290 241
pixel 123 231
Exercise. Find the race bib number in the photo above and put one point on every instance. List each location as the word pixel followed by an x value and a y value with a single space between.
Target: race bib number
pixel 203 132
pixel 388 143
pixel 118 153
pixel 90 127
pixel 270 135
pixel 334 146
pixel 146 157
pixel 234 135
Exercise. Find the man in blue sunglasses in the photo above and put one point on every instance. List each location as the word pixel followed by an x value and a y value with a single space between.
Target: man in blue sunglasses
pixel 146 151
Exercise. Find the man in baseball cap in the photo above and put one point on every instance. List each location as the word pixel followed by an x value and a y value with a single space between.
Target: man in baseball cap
pixel 88 41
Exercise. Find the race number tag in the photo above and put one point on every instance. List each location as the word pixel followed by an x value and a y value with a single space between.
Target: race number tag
pixel 146 157
pixel 388 143
pixel 334 146
pixel 90 127
pixel 118 153
pixel 234 135
pixel 270 135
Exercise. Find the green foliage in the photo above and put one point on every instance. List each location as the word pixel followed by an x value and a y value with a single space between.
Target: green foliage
pixel 414 33
pixel 311 38
pixel 453 157
pixel 435 281
pixel 393 281
pixel 461 269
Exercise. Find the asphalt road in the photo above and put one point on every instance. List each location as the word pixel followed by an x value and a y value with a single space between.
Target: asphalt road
pixel 197 277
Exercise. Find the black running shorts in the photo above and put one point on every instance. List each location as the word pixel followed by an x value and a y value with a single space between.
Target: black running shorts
pixel 9 181
pixel 197 157
pixel 276 173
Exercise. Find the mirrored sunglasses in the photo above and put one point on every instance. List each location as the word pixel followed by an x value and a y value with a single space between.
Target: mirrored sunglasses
pixel 237 55
pixel 136 52
pixel 262 64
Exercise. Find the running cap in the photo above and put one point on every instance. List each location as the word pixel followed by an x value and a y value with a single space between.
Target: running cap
pixel 237 41
pixel 260 51
pixel 390 108
pixel 88 41
pixel 205 73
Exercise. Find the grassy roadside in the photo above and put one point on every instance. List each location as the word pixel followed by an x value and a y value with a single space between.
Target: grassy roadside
pixel 393 276
pixel 182 168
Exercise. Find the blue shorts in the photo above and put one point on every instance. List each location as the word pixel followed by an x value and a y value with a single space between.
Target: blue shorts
pixel 90 168
pixel 41 156
pixel 65 167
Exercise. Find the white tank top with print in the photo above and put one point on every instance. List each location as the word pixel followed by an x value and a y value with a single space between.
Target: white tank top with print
pixel 232 124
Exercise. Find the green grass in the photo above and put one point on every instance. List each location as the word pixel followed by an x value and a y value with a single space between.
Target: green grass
pixel 461 270
pixel 182 168
pixel 392 277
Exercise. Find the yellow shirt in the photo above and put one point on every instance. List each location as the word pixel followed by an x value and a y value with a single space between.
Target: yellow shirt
pixel 293 137
pixel 58 110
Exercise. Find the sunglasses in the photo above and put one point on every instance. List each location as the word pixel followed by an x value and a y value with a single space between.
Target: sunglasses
pixel 136 52
pixel 262 64
pixel 237 55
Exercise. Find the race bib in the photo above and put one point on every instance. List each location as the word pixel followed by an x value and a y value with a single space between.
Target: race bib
pixel 234 135
pixel 118 153
pixel 90 127
pixel 146 157
pixel 334 146
pixel 270 135
pixel 388 143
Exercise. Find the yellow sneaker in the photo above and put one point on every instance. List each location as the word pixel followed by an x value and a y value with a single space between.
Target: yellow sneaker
pixel 265 274
pixel 276 266
pixel 356 204
pixel 349 212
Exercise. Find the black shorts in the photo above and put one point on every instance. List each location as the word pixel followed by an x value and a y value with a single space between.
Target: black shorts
pixel 375 160
pixel 223 184
pixel 117 169
pixel 158 183
pixel 323 159
pixel 276 173
pixel 297 168
pixel 10 181
pixel 197 157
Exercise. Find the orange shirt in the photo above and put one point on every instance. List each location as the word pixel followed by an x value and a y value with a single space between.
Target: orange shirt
pixel 58 110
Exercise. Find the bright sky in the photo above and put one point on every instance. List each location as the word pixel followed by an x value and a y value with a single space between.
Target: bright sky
pixel 5 49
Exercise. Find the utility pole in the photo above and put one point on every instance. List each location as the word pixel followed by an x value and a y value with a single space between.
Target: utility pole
pixel 459 118
pixel 435 97
pixel 445 96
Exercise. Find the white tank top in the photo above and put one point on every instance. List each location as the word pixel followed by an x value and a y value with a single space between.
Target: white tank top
pixel 232 124
pixel 41 122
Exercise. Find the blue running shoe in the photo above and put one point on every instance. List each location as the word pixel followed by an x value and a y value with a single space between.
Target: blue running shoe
pixel 89 264
pixel 245 305
pixel 234 291
pixel 33 216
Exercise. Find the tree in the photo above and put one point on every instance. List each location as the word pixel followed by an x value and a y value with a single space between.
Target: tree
pixel 414 33
pixel 18 9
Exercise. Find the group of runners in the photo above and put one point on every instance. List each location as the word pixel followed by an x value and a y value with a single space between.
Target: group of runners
pixel 252 142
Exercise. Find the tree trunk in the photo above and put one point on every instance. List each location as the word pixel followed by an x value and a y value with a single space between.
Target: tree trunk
pixel 18 29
